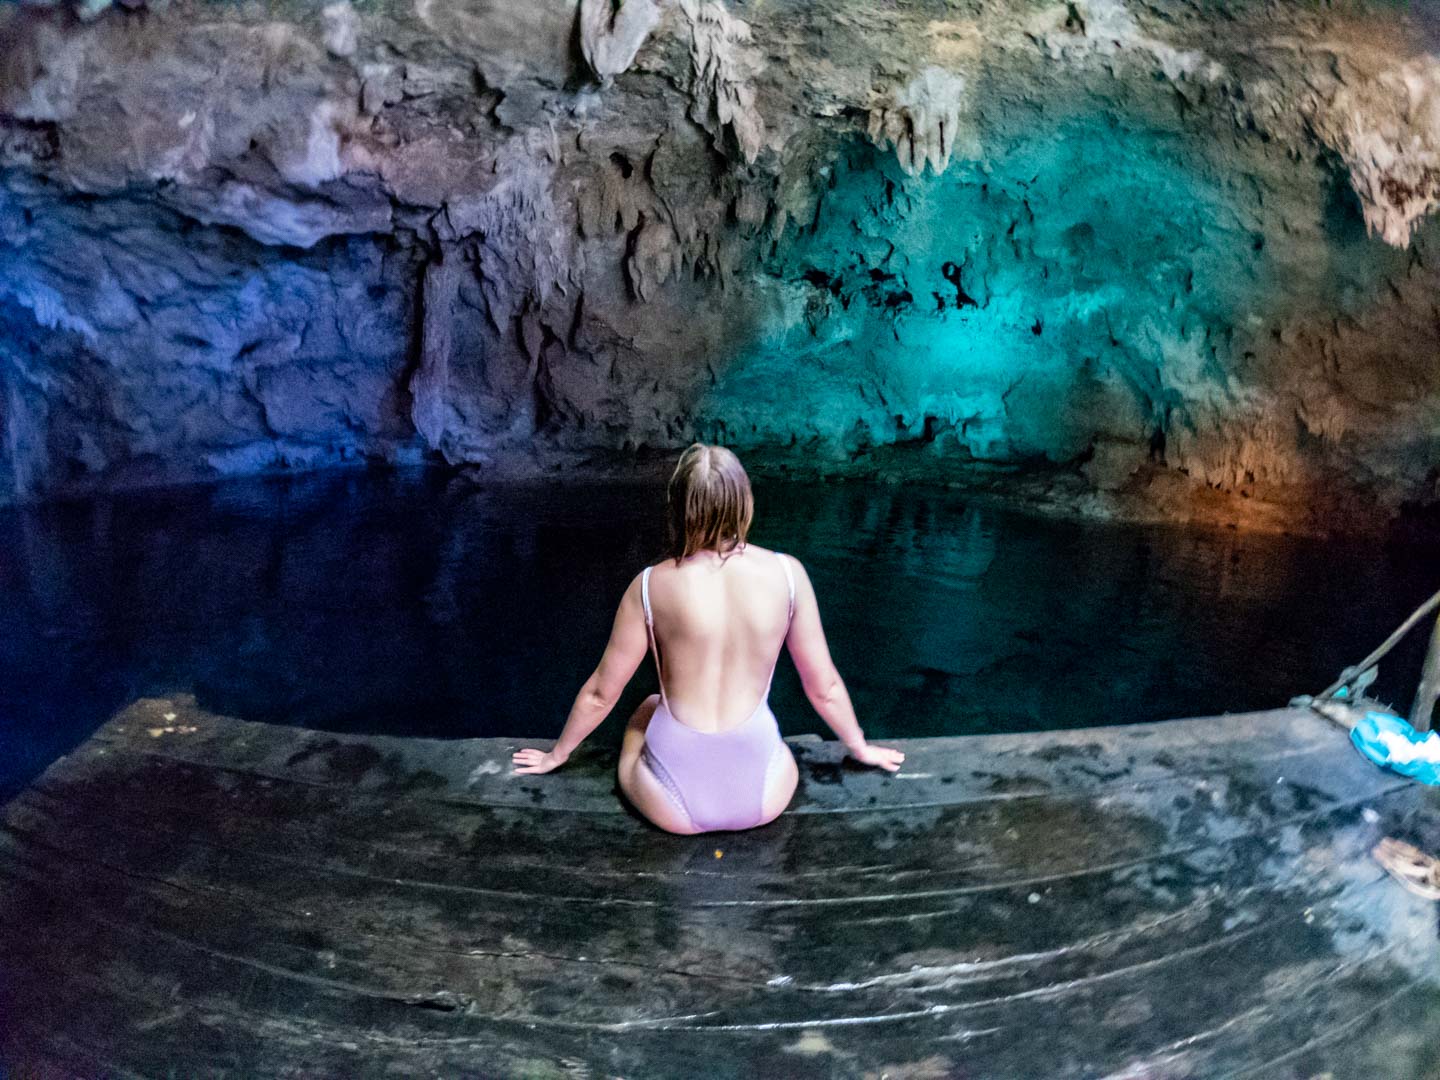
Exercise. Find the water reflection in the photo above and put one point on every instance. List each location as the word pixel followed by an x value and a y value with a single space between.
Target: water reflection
pixel 423 604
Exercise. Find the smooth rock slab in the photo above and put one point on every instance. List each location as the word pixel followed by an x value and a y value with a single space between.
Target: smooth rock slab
pixel 189 894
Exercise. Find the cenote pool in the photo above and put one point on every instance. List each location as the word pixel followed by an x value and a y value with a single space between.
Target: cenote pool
pixel 422 604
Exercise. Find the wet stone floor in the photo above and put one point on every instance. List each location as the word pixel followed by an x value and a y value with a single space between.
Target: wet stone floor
pixel 190 894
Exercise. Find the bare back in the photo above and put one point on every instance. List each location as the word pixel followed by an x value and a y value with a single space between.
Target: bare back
pixel 706 753
pixel 719 625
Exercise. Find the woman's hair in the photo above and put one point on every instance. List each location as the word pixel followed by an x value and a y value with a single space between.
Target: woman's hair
pixel 709 502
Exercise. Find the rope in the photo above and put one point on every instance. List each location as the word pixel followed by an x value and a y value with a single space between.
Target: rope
pixel 1352 674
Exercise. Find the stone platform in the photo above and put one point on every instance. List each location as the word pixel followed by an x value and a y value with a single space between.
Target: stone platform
pixel 191 895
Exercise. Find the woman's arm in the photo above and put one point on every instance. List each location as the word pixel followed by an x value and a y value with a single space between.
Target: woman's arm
pixel 822 682
pixel 627 647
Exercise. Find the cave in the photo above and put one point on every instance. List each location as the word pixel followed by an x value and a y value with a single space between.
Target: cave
pixel 1126 261
pixel 1085 358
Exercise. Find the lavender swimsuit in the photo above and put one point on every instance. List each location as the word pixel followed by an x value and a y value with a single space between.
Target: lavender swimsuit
pixel 716 779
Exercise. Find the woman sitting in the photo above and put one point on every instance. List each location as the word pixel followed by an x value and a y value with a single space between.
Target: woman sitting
pixel 699 756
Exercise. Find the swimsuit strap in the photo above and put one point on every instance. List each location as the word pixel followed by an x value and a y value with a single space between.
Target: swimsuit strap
pixel 789 580
pixel 789 617
pixel 650 630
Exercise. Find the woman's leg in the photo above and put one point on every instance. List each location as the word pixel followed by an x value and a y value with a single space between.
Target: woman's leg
pixel 781 779
pixel 639 784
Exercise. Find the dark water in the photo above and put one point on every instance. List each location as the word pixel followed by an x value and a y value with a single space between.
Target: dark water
pixel 421 604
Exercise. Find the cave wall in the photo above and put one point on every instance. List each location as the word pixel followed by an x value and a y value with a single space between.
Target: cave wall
pixel 1154 243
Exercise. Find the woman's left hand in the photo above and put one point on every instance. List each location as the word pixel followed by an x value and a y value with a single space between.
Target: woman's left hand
pixel 536 761
pixel 881 757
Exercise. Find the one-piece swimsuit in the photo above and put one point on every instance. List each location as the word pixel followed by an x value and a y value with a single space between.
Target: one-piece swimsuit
pixel 716 779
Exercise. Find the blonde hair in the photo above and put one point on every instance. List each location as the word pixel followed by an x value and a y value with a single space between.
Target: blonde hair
pixel 709 503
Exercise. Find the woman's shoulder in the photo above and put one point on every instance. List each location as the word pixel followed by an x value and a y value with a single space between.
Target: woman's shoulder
pixel 752 553
pixel 749 551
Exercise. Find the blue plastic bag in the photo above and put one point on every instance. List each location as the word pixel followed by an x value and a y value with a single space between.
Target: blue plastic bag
pixel 1393 744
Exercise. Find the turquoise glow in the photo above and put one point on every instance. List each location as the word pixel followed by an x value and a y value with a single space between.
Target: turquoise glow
pixel 1090 282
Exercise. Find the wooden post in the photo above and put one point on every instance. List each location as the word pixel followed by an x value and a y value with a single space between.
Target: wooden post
pixel 1429 684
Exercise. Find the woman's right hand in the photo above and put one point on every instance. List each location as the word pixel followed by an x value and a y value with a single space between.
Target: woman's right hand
pixel 536 762
pixel 881 757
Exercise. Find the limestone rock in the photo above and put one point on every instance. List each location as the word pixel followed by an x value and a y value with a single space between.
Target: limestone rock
pixel 724 64
pixel 1106 28
pixel 612 31
pixel 1388 133
pixel 921 120
pixel 430 384
pixel 1124 242
pixel 1113 464
pixel 341 28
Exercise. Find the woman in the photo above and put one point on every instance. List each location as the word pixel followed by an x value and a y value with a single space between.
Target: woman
pixel 698 756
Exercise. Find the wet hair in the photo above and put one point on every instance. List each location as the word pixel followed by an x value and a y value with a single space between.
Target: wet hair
pixel 709 504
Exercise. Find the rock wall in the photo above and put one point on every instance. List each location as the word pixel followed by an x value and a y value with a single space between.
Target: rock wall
pixel 1157 252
